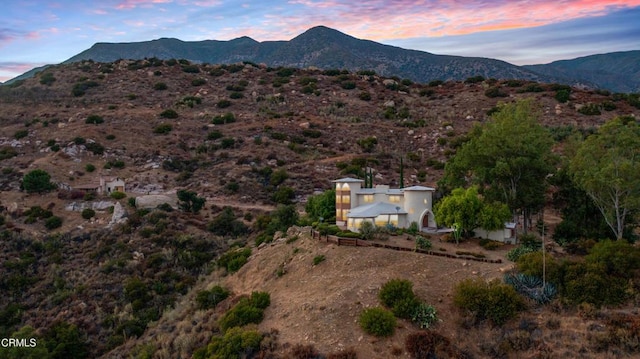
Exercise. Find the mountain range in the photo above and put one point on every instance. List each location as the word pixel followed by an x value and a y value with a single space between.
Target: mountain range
pixel 325 48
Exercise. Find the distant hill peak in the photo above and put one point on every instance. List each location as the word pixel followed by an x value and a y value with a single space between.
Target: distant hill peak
pixel 323 47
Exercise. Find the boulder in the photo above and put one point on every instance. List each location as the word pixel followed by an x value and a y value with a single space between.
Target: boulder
pixel 119 215
pixel 154 200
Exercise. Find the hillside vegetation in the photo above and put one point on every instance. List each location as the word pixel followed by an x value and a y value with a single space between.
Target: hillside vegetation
pixel 240 148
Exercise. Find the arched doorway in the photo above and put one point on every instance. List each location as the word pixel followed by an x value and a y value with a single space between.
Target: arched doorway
pixel 427 222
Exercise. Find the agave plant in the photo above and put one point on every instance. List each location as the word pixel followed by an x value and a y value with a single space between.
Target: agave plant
pixel 531 287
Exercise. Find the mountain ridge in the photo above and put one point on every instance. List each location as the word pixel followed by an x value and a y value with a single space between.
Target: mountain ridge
pixel 323 47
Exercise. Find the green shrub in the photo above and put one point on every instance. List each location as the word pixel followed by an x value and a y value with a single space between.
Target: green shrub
pixel 590 109
pixel 191 69
pixel 21 134
pixel 396 291
pixel 247 311
pixel 318 259
pixel 348 85
pixel 118 195
pixel 234 259
pixel 47 78
pixel 618 258
pixel 377 321
pixel 88 213
pixel 236 95
pixel 169 113
pixel 94 119
pixel 406 307
pixel 235 344
pixel 37 181
pixel 53 222
pixel 563 95
pixel 223 104
pixel 364 96
pixel 198 82
pixel 474 79
pixel 214 135
pixel 95 148
pixel 207 299
pixel 160 86
pixel 492 301
pixel 423 243
pixel 531 264
pixel 590 283
pixel 163 128
pixel 260 299
pixel 222 119
pixel 492 92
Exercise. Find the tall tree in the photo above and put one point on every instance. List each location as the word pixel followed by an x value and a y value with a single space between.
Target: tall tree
pixel 467 210
pixel 509 157
pixel 607 167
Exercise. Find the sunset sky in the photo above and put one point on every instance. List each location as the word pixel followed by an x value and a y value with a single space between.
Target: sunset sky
pixel 34 32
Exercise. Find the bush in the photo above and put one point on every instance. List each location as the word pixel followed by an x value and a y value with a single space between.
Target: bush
pixel 563 95
pixel 318 259
pixel 88 213
pixel 364 96
pixel 47 78
pixel 20 134
pixel 94 119
pixel 590 109
pixel 348 85
pixel 223 104
pixel 163 128
pixel 618 258
pixel 118 195
pixel 495 92
pixel 493 300
pixel 37 181
pixel 247 311
pixel 396 291
pixel 260 299
pixel 198 82
pixel 423 243
pixel 207 299
pixel 222 119
pixel 235 344
pixel 169 113
pixel 234 259
pixel 53 222
pixel 160 86
pixel 377 321
pixel 95 148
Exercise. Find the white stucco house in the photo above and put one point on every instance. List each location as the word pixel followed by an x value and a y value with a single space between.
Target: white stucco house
pixel 383 205
pixel 399 207
pixel 103 186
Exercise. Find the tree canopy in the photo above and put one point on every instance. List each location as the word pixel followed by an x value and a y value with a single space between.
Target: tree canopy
pixel 466 209
pixel 37 181
pixel 322 205
pixel 189 201
pixel 607 167
pixel 509 158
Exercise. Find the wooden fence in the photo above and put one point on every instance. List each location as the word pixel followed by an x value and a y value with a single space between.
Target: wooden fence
pixel 354 242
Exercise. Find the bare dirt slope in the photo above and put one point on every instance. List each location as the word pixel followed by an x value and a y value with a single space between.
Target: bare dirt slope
pixel 320 304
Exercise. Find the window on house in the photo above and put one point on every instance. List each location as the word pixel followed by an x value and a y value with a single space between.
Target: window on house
pixel 394 199
pixel 368 198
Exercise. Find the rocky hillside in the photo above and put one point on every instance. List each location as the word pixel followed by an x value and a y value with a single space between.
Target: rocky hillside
pixel 244 136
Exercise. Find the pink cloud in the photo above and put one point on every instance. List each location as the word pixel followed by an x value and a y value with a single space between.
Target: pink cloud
pixel 9 70
pixel 379 19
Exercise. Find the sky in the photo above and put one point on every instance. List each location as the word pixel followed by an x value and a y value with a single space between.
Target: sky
pixel 34 32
